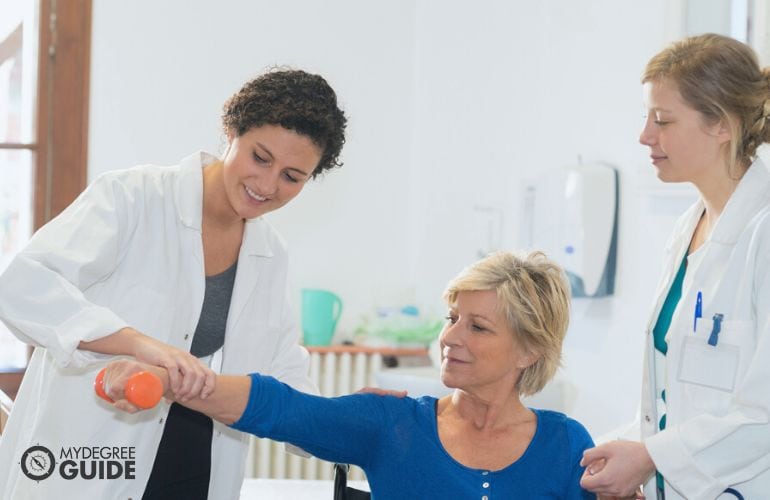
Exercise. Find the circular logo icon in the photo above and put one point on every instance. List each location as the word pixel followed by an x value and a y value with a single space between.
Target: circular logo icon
pixel 37 463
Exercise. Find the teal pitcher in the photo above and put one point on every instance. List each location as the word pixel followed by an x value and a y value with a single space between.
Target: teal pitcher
pixel 320 311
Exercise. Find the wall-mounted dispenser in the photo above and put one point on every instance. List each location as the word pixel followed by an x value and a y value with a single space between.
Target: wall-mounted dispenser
pixel 572 215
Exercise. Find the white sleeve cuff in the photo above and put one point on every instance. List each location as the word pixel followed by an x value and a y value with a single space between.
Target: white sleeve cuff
pixel 675 462
pixel 87 325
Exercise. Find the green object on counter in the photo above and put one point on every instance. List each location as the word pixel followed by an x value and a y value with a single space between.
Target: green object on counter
pixel 412 332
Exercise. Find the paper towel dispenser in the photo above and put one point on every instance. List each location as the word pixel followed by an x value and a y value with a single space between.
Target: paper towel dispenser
pixel 572 215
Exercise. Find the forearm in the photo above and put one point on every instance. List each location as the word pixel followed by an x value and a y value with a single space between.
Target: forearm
pixel 228 401
pixel 121 343
pixel 225 404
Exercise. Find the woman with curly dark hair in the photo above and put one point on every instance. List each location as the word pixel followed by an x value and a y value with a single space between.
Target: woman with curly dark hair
pixel 177 267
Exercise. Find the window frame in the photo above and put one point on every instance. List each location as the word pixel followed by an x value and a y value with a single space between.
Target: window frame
pixel 62 114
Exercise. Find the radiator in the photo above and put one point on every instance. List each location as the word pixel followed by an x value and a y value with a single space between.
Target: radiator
pixel 335 374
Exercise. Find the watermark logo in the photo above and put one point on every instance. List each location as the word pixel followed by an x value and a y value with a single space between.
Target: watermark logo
pixel 81 462
pixel 37 463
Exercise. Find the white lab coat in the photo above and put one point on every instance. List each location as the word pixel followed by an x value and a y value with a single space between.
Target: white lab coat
pixel 129 251
pixel 716 437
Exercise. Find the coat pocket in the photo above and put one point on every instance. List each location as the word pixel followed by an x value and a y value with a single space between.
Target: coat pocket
pixel 710 373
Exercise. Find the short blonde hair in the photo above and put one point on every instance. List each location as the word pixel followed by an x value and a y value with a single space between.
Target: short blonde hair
pixel 533 295
pixel 720 77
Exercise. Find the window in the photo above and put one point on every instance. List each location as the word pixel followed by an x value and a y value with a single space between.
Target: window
pixel 44 74
pixel 18 87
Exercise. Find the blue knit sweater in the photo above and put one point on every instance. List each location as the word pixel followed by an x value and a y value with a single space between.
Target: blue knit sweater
pixel 396 442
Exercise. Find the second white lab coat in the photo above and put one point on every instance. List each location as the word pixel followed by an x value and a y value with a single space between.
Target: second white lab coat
pixel 717 433
pixel 129 252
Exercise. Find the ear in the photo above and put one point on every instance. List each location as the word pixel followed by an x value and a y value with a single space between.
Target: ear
pixel 230 138
pixel 528 360
pixel 722 131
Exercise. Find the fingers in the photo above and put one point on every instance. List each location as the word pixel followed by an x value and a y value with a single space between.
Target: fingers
pixel 125 406
pixel 596 466
pixel 595 484
pixel 188 377
pixel 612 477
pixel 598 476
pixel 194 377
pixel 174 376
pixel 116 374
pixel 209 384
pixel 593 454
pixel 588 481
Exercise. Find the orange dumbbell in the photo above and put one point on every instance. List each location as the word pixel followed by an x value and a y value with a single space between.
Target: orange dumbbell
pixel 143 389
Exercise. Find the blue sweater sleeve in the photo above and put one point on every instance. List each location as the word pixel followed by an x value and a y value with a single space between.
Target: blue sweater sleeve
pixel 580 440
pixel 344 429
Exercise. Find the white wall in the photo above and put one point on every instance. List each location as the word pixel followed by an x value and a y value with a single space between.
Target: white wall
pixel 452 105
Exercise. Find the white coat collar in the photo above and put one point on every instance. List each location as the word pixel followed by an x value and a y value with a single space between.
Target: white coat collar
pixel 750 196
pixel 188 196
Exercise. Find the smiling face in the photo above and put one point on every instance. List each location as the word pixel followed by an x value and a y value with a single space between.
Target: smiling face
pixel 683 147
pixel 265 168
pixel 479 351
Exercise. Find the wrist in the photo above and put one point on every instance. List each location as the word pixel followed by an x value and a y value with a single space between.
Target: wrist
pixel 649 464
pixel 129 341
pixel 162 374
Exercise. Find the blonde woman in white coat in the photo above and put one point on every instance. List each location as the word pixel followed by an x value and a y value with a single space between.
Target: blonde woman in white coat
pixel 705 415
pixel 172 264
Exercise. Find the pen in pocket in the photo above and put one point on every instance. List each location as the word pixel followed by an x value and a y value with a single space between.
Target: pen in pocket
pixel 714 337
pixel 698 310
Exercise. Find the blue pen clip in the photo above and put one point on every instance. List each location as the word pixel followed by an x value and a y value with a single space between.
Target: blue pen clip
pixel 714 337
pixel 698 310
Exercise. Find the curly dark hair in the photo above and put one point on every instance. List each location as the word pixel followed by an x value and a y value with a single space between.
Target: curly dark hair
pixel 295 100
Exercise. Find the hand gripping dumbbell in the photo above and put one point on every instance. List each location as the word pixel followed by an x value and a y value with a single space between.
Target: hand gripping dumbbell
pixel 143 389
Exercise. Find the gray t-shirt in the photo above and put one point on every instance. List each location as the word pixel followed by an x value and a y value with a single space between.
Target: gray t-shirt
pixel 210 332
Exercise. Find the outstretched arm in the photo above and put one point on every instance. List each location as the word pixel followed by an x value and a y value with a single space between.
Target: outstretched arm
pixel 343 429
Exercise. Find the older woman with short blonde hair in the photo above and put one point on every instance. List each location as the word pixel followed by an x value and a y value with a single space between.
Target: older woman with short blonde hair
pixel 507 318
pixel 534 297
